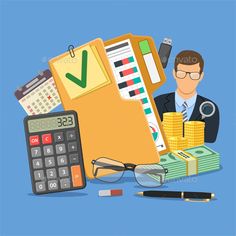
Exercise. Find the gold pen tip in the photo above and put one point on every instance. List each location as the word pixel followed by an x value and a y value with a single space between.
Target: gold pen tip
pixel 212 195
pixel 139 193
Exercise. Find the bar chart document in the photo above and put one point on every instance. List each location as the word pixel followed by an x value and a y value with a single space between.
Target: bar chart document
pixel 131 83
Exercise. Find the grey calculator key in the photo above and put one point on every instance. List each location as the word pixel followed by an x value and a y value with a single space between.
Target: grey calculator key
pixel 39 175
pixel 72 147
pixel 49 161
pixel 60 148
pixel 63 172
pixel 36 152
pixel 37 163
pixel 62 160
pixel 65 183
pixel 52 185
pixel 70 135
pixel 40 186
pixel 48 150
pixel 51 173
pixel 74 158
pixel 58 137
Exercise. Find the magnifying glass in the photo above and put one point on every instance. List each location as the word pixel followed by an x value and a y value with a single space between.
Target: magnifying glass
pixel 207 109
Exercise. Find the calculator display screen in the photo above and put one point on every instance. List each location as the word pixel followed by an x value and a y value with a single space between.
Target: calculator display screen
pixel 51 123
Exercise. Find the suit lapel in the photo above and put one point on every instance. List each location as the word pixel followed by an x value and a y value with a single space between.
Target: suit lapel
pixel 170 103
pixel 196 113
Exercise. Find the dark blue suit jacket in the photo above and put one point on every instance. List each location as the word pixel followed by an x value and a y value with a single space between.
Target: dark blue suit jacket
pixel 166 103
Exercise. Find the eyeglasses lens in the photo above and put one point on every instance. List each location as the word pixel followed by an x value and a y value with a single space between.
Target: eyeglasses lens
pixel 108 170
pixel 150 175
pixel 181 74
pixel 194 76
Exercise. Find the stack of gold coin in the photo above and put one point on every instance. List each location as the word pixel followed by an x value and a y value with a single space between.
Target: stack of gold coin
pixel 173 124
pixel 177 143
pixel 194 132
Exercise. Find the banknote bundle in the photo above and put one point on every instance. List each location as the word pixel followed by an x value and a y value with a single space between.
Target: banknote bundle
pixel 191 161
pixel 208 159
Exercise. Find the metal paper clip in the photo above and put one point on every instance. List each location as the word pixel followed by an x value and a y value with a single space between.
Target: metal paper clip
pixel 71 50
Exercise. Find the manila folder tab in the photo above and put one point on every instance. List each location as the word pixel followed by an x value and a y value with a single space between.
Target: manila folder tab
pixel 109 125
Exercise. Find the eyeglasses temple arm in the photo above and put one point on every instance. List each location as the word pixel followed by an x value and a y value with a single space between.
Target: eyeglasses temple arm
pixel 117 168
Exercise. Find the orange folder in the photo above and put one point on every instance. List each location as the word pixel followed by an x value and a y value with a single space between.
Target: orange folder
pixel 109 125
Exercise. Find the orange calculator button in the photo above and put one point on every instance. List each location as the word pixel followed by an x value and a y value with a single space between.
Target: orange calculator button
pixel 76 176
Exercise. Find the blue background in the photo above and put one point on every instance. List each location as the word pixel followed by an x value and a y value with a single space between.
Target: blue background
pixel 32 33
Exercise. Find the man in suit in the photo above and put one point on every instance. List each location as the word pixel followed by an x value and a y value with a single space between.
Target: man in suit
pixel 188 73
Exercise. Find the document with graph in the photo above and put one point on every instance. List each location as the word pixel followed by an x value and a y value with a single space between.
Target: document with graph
pixel 131 83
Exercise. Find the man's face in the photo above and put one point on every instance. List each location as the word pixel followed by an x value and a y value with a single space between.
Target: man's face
pixel 187 85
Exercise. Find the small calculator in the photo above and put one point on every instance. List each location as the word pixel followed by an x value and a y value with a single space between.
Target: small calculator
pixel 54 152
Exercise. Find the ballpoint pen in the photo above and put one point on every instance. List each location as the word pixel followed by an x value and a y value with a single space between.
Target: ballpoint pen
pixel 187 196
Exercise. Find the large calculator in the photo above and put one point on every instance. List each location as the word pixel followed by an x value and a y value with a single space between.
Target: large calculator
pixel 54 152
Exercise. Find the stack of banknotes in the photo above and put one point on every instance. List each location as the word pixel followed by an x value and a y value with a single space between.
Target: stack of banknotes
pixel 202 159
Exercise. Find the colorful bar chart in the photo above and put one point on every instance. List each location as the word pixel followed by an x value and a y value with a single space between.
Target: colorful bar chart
pixel 128 71
pixel 144 100
pixel 136 92
pixel 124 61
pixel 129 83
pixel 147 111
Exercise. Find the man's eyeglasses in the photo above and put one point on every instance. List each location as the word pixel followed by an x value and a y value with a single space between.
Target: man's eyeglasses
pixel 182 74
pixel 108 170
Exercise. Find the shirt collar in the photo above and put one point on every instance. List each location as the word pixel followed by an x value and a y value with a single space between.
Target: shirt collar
pixel 179 100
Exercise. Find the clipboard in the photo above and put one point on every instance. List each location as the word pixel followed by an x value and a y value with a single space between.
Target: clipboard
pixel 136 65
pixel 109 125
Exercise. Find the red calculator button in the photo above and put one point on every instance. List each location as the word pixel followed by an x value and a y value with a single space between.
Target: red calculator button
pixel 47 138
pixel 34 140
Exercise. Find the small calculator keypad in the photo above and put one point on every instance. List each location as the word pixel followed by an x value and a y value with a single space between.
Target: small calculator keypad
pixel 56 160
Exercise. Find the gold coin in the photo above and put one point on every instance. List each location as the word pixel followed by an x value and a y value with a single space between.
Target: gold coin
pixel 178 138
pixel 193 138
pixel 171 114
pixel 173 125
pixel 172 128
pixel 193 135
pixel 178 125
pixel 199 141
pixel 194 130
pixel 194 123
pixel 173 120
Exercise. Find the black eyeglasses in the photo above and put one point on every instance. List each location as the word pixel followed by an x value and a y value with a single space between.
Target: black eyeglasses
pixel 182 74
pixel 108 170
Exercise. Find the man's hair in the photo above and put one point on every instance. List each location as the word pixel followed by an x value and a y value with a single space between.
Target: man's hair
pixel 188 57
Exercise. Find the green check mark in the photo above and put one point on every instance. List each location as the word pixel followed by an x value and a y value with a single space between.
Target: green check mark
pixel 83 82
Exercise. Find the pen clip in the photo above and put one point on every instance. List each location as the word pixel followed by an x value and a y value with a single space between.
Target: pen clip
pixel 194 200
